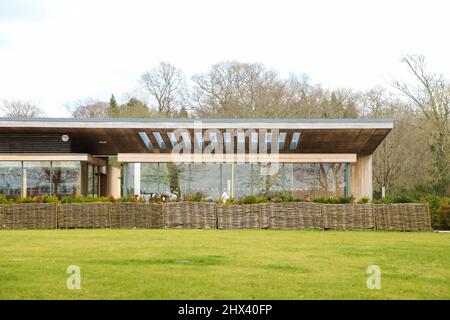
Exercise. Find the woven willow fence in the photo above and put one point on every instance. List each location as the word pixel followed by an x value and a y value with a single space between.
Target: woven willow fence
pixel 295 215
pixel 190 215
pixel 250 216
pixel 84 215
pixel 28 216
pixel 202 215
pixel 137 215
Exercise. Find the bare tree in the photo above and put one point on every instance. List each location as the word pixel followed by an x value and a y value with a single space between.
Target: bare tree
pixel 88 109
pixel 21 109
pixel 236 90
pixel 431 96
pixel 165 84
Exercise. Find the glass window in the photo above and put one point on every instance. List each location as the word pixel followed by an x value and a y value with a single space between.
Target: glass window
pixel 90 180
pixel 66 176
pixel 96 180
pixel 226 177
pixel 280 178
pixel 128 181
pixel 93 180
pixel 37 177
pixel 184 178
pixel 154 178
pixel 205 178
pixel 243 179
pixel 239 179
pixel 318 179
pixel 11 178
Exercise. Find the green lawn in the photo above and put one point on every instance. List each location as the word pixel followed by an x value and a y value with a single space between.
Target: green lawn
pixel 212 264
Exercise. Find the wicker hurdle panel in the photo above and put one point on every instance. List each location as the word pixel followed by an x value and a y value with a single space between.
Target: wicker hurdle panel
pixel 390 217
pixel 84 215
pixel 403 217
pixel 190 215
pixel 337 216
pixel 137 215
pixel 363 216
pixel 420 217
pixel 29 216
pixel 264 210
pixel 246 216
pixel 295 215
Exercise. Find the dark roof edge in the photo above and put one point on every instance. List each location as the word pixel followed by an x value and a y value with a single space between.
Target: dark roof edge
pixel 207 120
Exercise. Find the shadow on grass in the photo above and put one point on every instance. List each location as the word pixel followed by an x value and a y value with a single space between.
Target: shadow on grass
pixel 196 261
pixel 287 268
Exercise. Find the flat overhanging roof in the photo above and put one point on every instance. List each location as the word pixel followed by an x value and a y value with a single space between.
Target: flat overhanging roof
pixel 124 123
pixel 113 136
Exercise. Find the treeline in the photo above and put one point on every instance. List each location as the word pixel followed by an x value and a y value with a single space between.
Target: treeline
pixel 415 157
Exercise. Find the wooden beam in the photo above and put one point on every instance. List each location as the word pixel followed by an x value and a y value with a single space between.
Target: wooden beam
pixel 230 158
pixel 53 157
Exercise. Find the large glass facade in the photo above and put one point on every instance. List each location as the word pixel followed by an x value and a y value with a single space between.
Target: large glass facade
pixel 66 178
pixel 238 179
pixel 37 177
pixel 60 178
pixel 93 180
pixel 11 178
pixel 319 179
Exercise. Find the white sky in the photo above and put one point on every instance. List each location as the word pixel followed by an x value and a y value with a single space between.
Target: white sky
pixel 55 51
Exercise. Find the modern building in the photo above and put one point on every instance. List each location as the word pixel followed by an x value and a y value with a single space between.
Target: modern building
pixel 114 157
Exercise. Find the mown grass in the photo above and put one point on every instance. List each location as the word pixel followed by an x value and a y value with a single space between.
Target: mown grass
pixel 212 264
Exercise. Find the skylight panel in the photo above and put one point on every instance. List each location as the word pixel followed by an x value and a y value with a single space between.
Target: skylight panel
pixel 144 137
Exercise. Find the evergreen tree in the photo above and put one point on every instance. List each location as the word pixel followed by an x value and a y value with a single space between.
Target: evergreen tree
pixel 113 106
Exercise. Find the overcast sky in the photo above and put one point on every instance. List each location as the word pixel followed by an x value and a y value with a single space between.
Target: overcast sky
pixel 54 51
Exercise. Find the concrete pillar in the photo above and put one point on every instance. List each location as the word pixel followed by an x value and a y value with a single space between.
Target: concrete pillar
pixel 137 179
pixel 113 182
pixel 361 177
pixel 24 183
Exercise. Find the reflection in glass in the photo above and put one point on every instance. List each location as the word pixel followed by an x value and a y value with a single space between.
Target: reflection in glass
pixel 154 178
pixel 238 179
pixel 205 178
pixel 319 179
pixel 11 178
pixel 37 177
pixel 66 177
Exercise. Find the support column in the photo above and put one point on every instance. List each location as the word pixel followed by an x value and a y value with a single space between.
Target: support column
pixel 361 177
pixel 24 182
pixel 113 182
pixel 137 179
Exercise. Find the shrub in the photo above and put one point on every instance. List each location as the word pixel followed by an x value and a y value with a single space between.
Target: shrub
pixel 129 198
pixel 277 199
pixel 261 199
pixel 339 200
pixel 51 199
pixel 249 200
pixel 84 199
pixel 363 200
pixel 3 199
pixel 287 198
pixel 196 197
pixel 434 203
pixel 443 216
pixel 402 198
pixel 24 200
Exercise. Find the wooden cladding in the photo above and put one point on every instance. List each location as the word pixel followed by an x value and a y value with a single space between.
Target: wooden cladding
pixel 30 142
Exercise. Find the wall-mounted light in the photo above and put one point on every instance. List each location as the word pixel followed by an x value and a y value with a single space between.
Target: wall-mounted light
pixel 103 142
